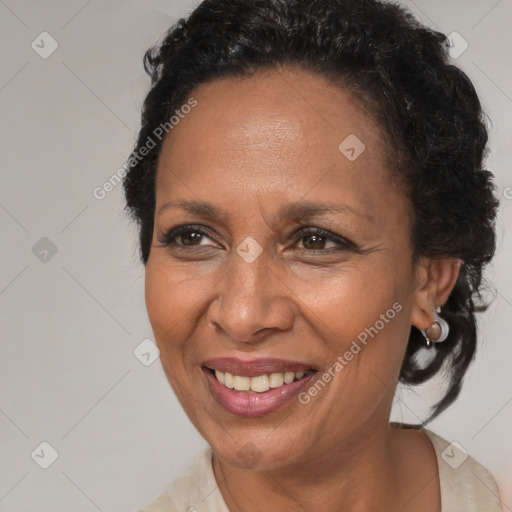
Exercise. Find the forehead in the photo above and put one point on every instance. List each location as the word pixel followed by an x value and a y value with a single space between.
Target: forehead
pixel 284 132
pixel 279 109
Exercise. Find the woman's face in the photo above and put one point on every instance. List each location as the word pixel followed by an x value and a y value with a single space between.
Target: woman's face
pixel 296 255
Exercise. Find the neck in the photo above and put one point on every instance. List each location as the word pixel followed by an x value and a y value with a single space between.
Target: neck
pixel 360 474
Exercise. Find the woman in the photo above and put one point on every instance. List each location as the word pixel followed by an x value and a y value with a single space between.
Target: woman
pixel 313 214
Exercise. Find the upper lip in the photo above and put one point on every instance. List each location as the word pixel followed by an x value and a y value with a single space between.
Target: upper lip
pixel 255 367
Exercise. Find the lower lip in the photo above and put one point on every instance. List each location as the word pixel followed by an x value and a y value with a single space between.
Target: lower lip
pixel 257 404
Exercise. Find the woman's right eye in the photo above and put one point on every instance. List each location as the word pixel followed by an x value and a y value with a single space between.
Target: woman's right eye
pixel 186 236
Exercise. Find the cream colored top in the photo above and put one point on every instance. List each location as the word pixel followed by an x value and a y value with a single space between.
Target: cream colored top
pixel 466 486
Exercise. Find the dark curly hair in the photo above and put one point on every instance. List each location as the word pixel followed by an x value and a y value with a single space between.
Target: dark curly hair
pixel 399 71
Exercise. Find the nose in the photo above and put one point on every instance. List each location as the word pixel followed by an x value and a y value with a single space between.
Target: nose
pixel 251 301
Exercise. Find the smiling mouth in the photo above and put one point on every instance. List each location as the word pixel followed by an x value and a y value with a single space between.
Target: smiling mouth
pixel 259 383
pixel 256 387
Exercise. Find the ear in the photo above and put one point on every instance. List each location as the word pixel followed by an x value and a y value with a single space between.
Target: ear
pixel 435 279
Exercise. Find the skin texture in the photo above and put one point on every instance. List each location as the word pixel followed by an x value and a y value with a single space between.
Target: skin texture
pixel 251 147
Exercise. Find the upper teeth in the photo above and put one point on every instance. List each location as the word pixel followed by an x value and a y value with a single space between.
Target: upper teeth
pixel 259 384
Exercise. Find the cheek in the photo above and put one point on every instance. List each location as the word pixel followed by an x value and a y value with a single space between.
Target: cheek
pixel 171 298
pixel 362 319
pixel 363 310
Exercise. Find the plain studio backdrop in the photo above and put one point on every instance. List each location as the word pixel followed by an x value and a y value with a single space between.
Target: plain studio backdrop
pixel 87 419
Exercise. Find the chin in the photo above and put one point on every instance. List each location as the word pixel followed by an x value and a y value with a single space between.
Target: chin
pixel 264 451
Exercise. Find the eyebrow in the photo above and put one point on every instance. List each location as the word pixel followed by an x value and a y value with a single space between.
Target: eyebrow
pixel 303 209
pixel 200 208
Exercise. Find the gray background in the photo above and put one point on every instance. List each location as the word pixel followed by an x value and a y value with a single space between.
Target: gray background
pixel 72 320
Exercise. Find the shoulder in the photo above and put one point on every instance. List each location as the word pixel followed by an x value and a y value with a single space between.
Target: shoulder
pixel 175 498
pixel 465 484
pixel 194 489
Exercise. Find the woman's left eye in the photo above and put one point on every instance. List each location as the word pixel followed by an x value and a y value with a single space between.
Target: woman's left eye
pixel 316 239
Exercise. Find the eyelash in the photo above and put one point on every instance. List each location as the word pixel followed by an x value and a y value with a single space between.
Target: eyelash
pixel 169 238
pixel 343 244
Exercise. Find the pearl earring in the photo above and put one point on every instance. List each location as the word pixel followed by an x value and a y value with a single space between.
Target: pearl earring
pixel 438 331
